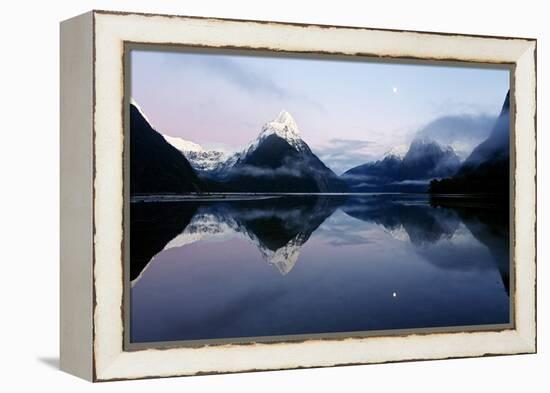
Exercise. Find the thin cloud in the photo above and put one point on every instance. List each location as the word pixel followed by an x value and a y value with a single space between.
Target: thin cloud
pixel 270 172
pixel 253 82
pixel 411 182
pixel 452 106
pixel 246 79
pixel 341 154
pixel 350 143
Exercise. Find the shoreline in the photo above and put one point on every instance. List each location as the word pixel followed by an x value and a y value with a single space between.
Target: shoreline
pixel 245 196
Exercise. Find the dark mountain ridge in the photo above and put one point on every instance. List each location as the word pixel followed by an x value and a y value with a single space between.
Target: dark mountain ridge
pixel 155 165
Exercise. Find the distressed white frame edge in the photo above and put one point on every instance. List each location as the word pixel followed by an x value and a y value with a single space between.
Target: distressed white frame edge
pixel 112 29
pixel 76 178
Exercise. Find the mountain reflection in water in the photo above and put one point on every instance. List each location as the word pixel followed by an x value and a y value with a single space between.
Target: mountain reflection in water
pixel 316 264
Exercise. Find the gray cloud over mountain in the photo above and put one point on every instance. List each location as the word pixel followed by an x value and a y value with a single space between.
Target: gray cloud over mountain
pixel 462 132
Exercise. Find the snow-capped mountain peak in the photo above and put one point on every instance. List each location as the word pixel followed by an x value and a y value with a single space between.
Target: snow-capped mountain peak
pixel 285 127
pixel 286 118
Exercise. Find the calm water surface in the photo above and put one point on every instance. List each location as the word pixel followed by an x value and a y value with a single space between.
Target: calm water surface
pixel 316 264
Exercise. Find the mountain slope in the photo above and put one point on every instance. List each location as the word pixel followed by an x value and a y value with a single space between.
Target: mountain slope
pixel 486 170
pixel 155 165
pixel 201 159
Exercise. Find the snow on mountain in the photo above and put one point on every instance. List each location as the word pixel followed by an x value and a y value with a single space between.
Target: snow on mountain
pixel 182 144
pixel 284 127
pixel 278 159
pixel 398 151
pixel 201 159
pixel 212 160
pixel 283 258
pixel 275 160
pixel 220 225
pixel 203 226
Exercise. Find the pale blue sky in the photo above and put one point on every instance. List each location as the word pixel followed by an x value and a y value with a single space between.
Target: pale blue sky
pixel 366 108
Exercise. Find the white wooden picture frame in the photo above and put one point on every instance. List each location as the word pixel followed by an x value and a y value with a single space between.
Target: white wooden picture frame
pixel 92 194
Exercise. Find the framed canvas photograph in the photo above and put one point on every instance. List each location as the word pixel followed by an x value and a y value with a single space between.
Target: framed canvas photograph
pixel 246 195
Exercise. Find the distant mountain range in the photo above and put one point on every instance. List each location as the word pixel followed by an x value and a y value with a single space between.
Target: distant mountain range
pixel 279 160
pixel 201 160
pixel 412 171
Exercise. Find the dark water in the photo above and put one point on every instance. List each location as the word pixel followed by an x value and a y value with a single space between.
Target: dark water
pixel 304 265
